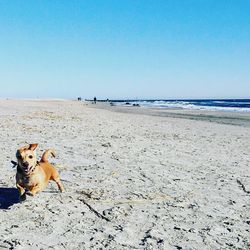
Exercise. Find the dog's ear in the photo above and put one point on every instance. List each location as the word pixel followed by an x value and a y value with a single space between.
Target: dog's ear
pixel 33 146
pixel 18 154
pixel 26 147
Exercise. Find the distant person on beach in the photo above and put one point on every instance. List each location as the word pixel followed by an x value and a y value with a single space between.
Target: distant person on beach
pixel 94 100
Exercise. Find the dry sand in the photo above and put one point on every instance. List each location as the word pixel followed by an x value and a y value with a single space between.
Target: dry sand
pixel 134 178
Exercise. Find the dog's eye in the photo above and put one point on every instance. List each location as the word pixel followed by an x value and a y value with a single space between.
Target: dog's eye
pixel 30 156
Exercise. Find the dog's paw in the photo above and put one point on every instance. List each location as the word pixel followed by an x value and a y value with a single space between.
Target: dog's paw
pixel 29 193
pixel 22 197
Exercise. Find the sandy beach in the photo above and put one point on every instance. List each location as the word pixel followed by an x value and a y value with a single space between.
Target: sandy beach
pixel 135 178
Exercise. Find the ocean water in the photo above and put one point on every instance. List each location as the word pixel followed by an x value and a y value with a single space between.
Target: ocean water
pixel 237 105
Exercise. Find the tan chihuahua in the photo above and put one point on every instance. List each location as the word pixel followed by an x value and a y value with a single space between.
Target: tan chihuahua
pixel 33 176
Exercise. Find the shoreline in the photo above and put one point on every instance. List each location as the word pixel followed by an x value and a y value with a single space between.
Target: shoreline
pixel 222 117
pixel 214 116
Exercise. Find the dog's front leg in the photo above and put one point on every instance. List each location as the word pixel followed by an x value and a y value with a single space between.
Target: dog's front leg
pixel 21 190
pixel 34 190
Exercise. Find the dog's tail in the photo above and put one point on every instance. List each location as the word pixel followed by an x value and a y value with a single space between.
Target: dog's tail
pixel 47 153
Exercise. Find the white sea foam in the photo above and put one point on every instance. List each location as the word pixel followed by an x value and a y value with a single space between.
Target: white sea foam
pixel 190 105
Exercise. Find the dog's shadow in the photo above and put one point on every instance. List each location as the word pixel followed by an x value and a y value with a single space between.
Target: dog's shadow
pixel 8 197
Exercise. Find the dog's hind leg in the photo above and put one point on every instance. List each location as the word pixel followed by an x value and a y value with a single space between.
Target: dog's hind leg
pixel 59 184
pixel 55 177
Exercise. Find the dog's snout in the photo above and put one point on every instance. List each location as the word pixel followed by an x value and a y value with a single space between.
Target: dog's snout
pixel 25 164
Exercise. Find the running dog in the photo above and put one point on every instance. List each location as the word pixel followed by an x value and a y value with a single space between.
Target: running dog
pixel 33 176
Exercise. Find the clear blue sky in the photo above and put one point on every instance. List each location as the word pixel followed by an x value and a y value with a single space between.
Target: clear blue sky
pixel 125 48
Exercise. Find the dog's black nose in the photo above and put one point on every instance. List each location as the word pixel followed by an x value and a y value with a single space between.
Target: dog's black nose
pixel 26 164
